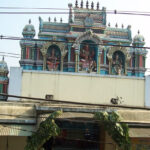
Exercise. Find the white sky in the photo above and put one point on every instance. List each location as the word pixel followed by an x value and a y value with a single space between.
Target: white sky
pixel 12 25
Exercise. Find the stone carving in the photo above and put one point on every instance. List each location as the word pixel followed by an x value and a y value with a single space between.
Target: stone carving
pixel 87 59
pixel 88 22
pixel 117 64
pixel 53 60
pixel 118 58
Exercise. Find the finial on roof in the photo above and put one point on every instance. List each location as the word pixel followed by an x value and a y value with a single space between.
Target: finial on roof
pixel 49 19
pixel 40 18
pixel 70 12
pixel 81 3
pixel 61 20
pixel 138 31
pixel 109 24
pixel 122 26
pixel 55 19
pixel 116 25
pixel 29 21
pixel 70 5
pixel 97 5
pixel 87 4
pixel 76 3
pixel 92 5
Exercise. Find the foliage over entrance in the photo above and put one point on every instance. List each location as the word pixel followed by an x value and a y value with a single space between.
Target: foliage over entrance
pixel 118 131
pixel 110 121
pixel 46 130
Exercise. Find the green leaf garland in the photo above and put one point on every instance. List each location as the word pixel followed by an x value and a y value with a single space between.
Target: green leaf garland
pixel 118 131
pixel 46 130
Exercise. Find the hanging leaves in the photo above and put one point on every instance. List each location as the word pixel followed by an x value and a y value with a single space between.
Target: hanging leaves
pixel 46 130
pixel 118 131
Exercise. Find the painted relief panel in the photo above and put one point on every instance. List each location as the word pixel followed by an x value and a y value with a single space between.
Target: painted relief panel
pixel 53 58
pixel 88 57
pixel 118 63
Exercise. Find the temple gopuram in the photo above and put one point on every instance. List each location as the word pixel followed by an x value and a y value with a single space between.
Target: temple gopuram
pixel 85 45
pixel 4 81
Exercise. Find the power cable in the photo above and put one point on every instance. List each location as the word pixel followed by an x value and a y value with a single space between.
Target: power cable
pixel 83 43
pixel 10 53
pixel 31 13
pixel 9 56
pixel 33 8
pixel 76 103
pixel 108 11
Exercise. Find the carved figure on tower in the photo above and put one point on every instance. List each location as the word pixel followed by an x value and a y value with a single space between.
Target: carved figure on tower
pixel 53 61
pixel 117 64
pixel 87 59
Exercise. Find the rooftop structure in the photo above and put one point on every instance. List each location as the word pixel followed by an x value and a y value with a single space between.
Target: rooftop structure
pixel 3 78
pixel 84 44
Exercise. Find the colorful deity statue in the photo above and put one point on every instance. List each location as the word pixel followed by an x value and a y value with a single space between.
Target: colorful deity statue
pixel 87 61
pixel 53 61
pixel 117 66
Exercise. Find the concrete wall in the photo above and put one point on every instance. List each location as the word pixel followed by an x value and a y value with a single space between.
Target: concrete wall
pixel 12 142
pixel 147 91
pixel 15 79
pixel 13 112
pixel 84 88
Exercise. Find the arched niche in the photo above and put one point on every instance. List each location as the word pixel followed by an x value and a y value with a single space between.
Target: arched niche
pixel 60 51
pixel 118 59
pixel 53 58
pixel 88 35
pixel 88 56
pixel 91 39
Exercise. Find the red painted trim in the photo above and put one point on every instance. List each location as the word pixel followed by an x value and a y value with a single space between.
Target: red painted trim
pixel 102 57
pixel 3 82
pixel 131 62
pixel 27 52
pixel 4 88
pixel 141 61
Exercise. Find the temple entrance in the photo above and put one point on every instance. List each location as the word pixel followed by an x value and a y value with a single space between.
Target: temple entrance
pixel 75 135
pixel 53 59
pixel 87 57
pixel 118 63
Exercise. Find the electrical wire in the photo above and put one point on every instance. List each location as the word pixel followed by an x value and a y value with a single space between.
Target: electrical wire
pixel 83 43
pixel 10 56
pixel 140 13
pixel 75 103
pixel 10 53
pixel 79 10
pixel 22 13
pixel 31 13
pixel 33 8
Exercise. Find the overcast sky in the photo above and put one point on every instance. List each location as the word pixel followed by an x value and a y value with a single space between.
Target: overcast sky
pixel 12 25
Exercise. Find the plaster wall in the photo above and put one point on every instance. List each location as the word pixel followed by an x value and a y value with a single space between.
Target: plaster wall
pixel 12 142
pixel 147 91
pixel 86 88
pixel 15 79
